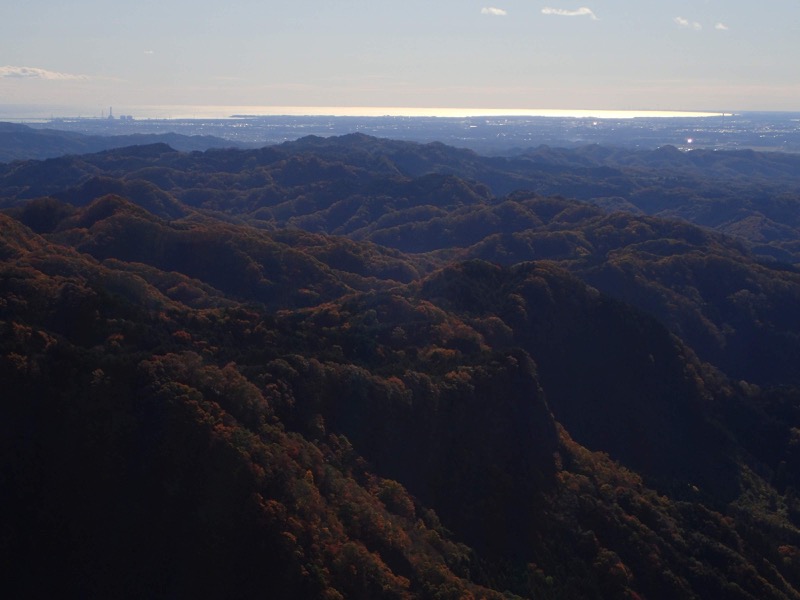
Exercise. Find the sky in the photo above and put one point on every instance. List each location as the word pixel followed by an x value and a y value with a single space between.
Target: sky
pixel 714 55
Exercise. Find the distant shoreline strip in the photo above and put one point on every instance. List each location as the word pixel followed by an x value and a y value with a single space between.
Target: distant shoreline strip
pixel 227 112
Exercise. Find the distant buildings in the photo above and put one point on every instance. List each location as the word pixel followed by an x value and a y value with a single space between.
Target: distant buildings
pixel 121 117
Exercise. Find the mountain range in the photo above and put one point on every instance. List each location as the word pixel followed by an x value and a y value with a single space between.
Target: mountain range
pixel 22 142
pixel 353 367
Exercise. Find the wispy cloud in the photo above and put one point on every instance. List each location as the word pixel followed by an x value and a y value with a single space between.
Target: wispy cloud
pixel 682 22
pixel 495 12
pixel 563 12
pixel 149 52
pixel 11 72
pixel 721 27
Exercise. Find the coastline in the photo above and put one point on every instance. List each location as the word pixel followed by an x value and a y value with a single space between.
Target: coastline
pixel 44 113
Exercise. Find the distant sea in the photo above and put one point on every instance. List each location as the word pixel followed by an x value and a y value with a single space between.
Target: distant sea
pixel 17 112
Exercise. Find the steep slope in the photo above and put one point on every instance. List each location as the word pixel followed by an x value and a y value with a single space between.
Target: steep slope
pixel 732 309
pixel 163 436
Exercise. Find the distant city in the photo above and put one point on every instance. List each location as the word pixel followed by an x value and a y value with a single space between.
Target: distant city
pixel 495 134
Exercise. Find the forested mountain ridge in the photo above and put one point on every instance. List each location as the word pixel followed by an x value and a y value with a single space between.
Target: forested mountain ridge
pixel 457 394
pixel 747 194
pixel 414 198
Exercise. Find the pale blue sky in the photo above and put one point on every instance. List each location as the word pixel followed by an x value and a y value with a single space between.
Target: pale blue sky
pixel 719 55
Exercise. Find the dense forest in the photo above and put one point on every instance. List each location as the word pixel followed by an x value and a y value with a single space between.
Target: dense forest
pixel 353 367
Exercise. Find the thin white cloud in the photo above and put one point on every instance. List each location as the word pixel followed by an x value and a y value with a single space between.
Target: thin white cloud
pixel 495 12
pixel 11 72
pixel 721 27
pixel 562 12
pixel 149 52
pixel 681 21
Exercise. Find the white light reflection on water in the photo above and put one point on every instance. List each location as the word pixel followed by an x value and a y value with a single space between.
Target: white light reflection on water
pixel 44 112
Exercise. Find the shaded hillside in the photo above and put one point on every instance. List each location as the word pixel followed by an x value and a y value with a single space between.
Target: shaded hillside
pixel 344 368
pixel 407 440
pixel 733 310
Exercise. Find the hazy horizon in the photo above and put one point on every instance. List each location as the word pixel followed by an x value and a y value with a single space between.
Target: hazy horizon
pixel 700 55
pixel 47 112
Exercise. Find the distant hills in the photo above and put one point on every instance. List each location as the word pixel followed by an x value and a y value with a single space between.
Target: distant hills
pixel 20 142
pixel 362 368
pixel 748 194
